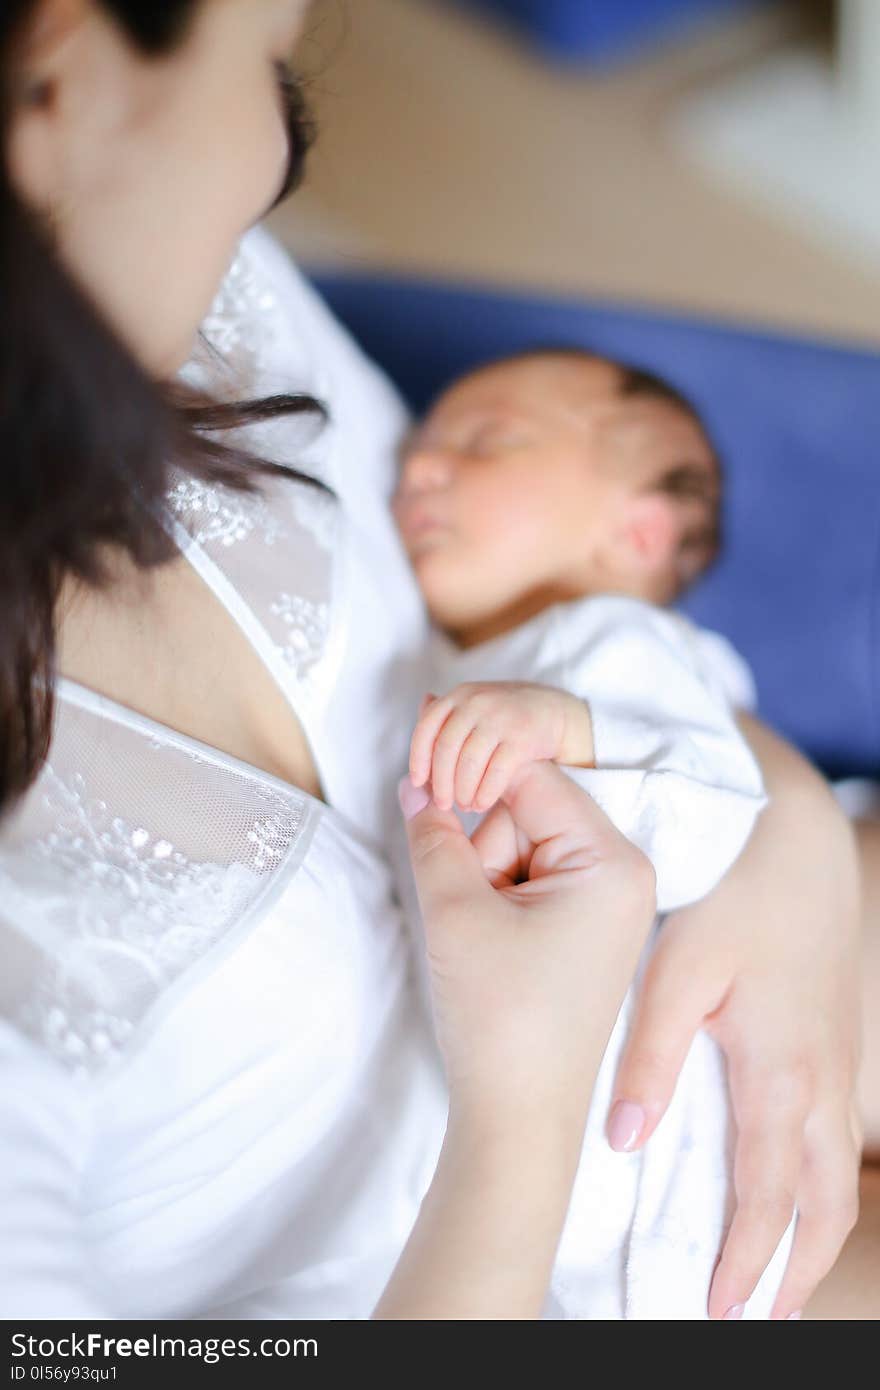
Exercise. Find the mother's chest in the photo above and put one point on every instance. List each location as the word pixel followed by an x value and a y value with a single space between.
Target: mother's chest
pixel 228 643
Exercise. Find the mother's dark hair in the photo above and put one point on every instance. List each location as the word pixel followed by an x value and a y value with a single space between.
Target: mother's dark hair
pixel 86 436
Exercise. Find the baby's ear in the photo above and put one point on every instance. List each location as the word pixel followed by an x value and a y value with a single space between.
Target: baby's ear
pixel 650 532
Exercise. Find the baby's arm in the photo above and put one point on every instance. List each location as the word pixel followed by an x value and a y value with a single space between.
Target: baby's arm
pixel 656 742
pixel 673 770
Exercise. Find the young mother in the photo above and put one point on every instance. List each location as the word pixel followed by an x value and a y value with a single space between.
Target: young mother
pixel 218 1094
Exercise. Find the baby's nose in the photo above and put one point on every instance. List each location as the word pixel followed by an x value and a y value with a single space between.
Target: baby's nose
pixel 426 469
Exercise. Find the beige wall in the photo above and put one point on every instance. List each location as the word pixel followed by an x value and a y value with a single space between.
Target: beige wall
pixel 448 148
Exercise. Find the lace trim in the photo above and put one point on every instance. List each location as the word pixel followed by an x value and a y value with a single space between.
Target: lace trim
pixel 122 912
pixel 309 625
pixel 243 312
pixel 242 323
pixel 221 516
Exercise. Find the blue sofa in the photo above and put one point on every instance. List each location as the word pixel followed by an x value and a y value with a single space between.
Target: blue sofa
pixel 596 32
pixel 798 426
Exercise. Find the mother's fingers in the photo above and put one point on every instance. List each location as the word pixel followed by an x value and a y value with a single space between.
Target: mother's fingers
pixel 445 864
pixel 770 1103
pixel 670 1008
pixel 828 1206
pixel 547 805
pixel 580 860
pixel 503 850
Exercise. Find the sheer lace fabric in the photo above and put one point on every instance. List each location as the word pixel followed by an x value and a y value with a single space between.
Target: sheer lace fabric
pixel 138 850
pixel 117 889
pixel 214 1078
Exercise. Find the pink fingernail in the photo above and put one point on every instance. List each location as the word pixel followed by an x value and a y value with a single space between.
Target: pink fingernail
pixel 797 1314
pixel 412 799
pixel 625 1124
pixel 734 1312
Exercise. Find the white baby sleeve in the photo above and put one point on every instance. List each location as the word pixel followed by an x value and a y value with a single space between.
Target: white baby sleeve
pixel 722 667
pixel 672 770
pixel 45 1130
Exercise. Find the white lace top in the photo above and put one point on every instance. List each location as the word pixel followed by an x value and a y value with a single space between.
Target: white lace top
pixel 219 1091
pixel 204 969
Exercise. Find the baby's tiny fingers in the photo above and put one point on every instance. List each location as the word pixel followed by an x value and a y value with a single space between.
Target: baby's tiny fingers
pixel 447 747
pixel 421 748
pixel 473 760
pixel 505 763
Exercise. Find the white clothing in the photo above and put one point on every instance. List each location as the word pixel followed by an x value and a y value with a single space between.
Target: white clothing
pixel 675 775
pixel 219 1092
pixel 672 770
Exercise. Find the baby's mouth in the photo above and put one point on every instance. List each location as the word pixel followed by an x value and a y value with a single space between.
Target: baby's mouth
pixel 417 523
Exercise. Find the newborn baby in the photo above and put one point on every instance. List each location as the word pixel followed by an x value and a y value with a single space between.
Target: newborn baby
pixel 551 503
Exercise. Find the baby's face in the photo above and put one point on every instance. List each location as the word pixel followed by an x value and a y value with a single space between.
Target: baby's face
pixel 515 487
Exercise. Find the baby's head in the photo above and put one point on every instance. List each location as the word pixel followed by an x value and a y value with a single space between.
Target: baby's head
pixel 553 475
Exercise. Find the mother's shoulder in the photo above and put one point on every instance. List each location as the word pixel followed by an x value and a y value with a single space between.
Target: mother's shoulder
pixel 312 322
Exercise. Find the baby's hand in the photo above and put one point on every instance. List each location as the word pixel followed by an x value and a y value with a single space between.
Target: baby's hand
pixel 470 743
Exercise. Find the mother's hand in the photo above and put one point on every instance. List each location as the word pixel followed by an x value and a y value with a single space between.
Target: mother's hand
pixel 768 964
pixel 533 931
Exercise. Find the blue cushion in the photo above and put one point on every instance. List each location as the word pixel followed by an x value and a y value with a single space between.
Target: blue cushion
pixel 797 424
pixel 600 31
